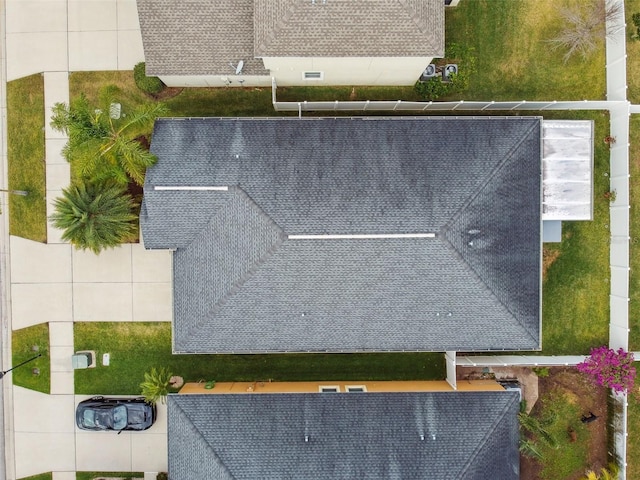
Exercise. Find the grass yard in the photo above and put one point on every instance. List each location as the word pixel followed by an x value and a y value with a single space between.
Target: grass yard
pixel 576 287
pixel 22 342
pixel 92 475
pixel 191 102
pixel 137 347
pixel 42 476
pixel 571 457
pixel 633 441
pixel 26 157
pixel 634 199
pixel 514 60
pixel 633 429
pixel 633 53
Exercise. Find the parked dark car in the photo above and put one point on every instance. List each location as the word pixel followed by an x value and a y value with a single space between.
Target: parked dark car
pixel 117 414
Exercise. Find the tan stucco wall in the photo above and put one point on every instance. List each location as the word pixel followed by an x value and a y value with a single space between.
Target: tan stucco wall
pixel 288 71
pixel 216 80
pixel 314 387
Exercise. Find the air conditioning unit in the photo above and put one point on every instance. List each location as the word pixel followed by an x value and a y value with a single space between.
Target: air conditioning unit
pixel 448 70
pixel 428 73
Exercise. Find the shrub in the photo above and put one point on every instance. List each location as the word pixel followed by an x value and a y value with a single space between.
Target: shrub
pixel 610 368
pixel 542 372
pixel 435 88
pixel 432 89
pixel 635 18
pixel 151 85
pixel 156 385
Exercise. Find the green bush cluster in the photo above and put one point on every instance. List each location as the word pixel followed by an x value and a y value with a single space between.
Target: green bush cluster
pixel 435 88
pixel 635 18
pixel 151 85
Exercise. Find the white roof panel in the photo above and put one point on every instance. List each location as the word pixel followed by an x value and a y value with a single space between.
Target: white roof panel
pixel 567 170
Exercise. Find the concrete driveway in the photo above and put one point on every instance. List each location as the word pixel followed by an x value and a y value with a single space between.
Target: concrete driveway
pixel 47 439
pixel 71 35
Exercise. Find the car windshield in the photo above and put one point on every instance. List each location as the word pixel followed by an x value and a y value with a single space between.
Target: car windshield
pixel 119 417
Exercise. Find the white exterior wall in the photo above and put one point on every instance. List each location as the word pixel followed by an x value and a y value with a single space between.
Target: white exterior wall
pixel 216 80
pixel 289 71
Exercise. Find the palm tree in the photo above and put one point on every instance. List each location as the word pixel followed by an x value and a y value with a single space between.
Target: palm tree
pixel 95 216
pixel 156 385
pixel 101 147
pixel 532 427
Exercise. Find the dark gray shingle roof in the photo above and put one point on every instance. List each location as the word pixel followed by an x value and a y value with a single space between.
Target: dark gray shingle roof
pixel 365 436
pixel 240 285
pixel 349 28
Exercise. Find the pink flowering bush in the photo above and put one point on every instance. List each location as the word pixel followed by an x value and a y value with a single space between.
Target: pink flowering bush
pixel 610 368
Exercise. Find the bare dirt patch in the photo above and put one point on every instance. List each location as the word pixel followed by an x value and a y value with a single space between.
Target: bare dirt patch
pixel 548 257
pixel 575 388
pixel 590 399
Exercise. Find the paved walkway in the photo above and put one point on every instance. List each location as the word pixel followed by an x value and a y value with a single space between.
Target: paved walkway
pixel 57 284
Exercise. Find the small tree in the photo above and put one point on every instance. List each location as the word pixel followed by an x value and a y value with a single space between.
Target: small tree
pixel 610 368
pixel 102 147
pixel 156 385
pixel 94 216
pixel 585 26
pixel 533 430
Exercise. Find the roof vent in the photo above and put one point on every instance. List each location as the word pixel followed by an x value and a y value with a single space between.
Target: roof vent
pixel 421 437
pixel 306 438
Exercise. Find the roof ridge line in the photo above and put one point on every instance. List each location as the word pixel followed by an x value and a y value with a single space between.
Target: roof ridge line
pixel 446 227
pixel 488 434
pixel 487 179
pixel 237 285
pixel 201 436
pixel 280 22
pixel 413 15
pixel 475 275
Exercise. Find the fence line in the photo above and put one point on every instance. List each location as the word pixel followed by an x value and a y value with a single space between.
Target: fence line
pixel 461 105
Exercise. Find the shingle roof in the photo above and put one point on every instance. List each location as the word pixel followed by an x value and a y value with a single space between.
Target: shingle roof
pixel 202 37
pixel 349 28
pixel 242 285
pixel 198 37
pixel 467 435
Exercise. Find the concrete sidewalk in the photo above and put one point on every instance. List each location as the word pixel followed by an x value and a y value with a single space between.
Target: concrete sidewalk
pixel 57 284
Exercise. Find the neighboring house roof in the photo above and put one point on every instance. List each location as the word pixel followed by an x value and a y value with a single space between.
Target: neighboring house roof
pixel 242 284
pixel 349 28
pixel 467 435
pixel 201 37
pixel 198 37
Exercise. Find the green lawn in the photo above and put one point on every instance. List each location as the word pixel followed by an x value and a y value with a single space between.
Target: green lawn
pixel 633 429
pixel 42 476
pixel 575 295
pixel 570 458
pixel 22 342
pixel 514 58
pixel 633 445
pixel 136 347
pixel 26 157
pixel 634 278
pixel 92 475
pixel 633 53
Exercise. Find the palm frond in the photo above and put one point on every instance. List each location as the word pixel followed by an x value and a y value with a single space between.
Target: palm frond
pixel 94 216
